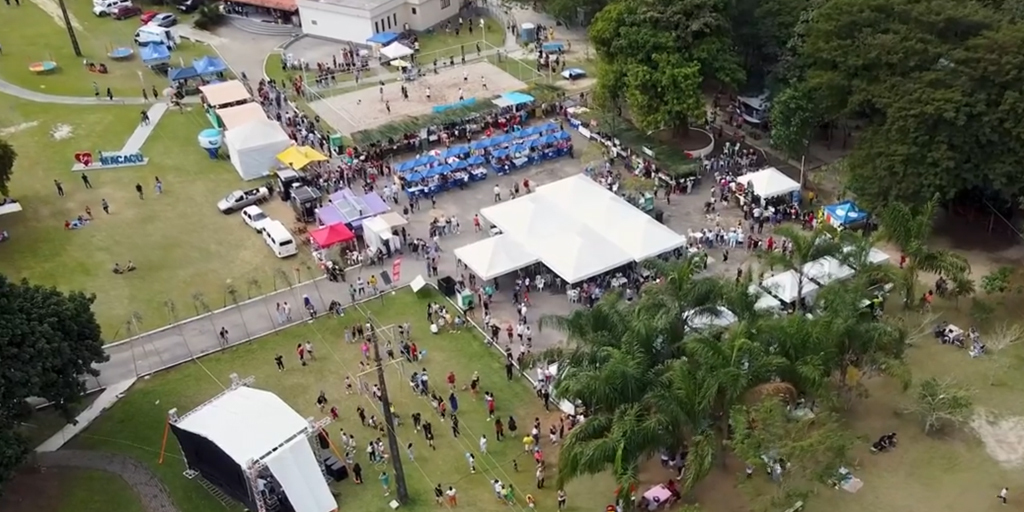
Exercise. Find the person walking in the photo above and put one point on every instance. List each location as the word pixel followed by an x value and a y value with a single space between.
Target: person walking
pixel 85 181
pixel 60 188
pixel 1002 495
pixel 110 94
pixel 144 118
pixel 408 450
pixel 357 473
pixel 96 90
pixel 562 498
pixel 385 481
pixel 138 189
pixel 279 360
pixel 483 444
pixel 105 205
pixel 159 186
pixel 453 499
pixel 472 462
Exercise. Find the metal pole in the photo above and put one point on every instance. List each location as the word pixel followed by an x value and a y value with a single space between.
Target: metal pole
pixel 389 420
pixel 71 29
pixel 802 161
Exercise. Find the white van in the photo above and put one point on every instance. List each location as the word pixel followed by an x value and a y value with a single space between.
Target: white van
pixel 106 7
pixel 153 34
pixel 279 239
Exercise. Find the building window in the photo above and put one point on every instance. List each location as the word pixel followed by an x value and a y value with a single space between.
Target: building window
pixel 376 27
pixel 389 23
pixel 446 4
pixel 394 17
pixel 414 11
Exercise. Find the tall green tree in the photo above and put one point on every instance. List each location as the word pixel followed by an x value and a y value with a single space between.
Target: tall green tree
pixel 807 247
pixel 7 158
pixel 49 340
pixel 910 228
pixel 794 115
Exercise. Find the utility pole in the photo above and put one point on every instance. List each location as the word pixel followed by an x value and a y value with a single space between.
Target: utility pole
pixel 71 29
pixel 389 420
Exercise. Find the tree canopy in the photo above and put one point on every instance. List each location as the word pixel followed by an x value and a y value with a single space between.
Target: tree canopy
pixel 49 340
pixel 7 158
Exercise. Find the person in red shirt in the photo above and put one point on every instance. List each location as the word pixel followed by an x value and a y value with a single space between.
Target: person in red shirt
pixel 476 222
pixel 451 381
pixel 508 331
pixel 414 352
pixel 770 244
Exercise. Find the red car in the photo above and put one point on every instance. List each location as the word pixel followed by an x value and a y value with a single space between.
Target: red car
pixel 125 11
pixel 148 16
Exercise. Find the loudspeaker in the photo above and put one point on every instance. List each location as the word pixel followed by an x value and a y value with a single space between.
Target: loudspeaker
pixel 323 440
pixel 385 277
pixel 447 286
pixel 659 216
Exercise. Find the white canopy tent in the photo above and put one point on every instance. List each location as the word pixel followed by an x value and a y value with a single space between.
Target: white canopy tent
pixel 377 234
pixel 579 229
pixel 224 93
pixel 253 147
pixel 785 286
pixel 495 256
pixel 769 182
pixel 240 115
pixel 251 425
pixel 765 301
pixel 875 256
pixel 826 270
pixel 396 50
pixel 701 320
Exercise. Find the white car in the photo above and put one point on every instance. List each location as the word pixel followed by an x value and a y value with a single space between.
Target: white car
pixel 254 217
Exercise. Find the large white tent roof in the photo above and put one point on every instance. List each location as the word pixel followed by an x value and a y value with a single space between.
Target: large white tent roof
pixel 246 423
pixel 225 92
pixel 826 270
pixel 241 115
pixel 769 182
pixel 495 256
pixel 396 50
pixel 785 286
pixel 579 229
pixel 253 147
pixel 764 301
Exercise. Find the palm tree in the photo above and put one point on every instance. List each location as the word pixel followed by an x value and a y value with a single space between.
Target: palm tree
pixel 254 284
pixel 231 291
pixel 7 158
pixel 172 314
pixel 807 247
pixel 910 229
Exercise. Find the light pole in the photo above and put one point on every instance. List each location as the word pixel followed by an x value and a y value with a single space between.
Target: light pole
pixel 71 29
pixel 389 420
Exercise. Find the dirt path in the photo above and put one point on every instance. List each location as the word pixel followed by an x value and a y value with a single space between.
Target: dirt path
pixel 147 486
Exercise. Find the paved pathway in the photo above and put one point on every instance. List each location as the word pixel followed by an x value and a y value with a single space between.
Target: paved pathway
pixel 147 486
pixel 143 131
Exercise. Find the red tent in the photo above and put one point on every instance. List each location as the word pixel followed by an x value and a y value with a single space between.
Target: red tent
pixel 331 235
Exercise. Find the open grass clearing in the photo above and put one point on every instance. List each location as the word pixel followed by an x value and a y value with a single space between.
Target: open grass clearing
pixel 179 241
pixel 30 34
pixel 134 426
pixel 68 490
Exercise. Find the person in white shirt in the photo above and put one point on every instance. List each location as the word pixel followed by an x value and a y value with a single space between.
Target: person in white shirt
pixel 497 194
pixel 483 444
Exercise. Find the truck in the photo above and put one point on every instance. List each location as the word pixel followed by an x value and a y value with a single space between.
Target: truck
pixel 241 198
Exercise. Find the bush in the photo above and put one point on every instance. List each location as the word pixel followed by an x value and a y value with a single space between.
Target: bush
pixel 208 17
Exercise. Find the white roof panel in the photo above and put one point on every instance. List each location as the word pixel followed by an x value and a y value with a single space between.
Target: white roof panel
pixel 246 423
pixel 785 286
pixel 769 182
pixel 826 270
pixel 495 256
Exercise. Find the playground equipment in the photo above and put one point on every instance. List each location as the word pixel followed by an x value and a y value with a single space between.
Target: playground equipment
pixel 44 66
pixel 120 53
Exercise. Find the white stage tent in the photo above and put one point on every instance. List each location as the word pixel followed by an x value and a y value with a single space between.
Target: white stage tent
pixel 495 256
pixel 769 182
pixel 253 147
pixel 579 229
pixel 826 270
pixel 250 425
pixel 785 286
pixel 396 50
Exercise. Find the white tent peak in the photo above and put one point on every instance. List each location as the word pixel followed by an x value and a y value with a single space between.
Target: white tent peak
pixel 254 146
pixel 396 50
pixel 769 182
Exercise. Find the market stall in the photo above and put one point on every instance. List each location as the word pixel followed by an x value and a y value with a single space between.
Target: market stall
pixel 253 147
pixel 844 214
pixel 345 207
pixel 495 256
pixel 769 183
pixel 225 94
pixel 329 236
pixel 826 270
pixel 298 157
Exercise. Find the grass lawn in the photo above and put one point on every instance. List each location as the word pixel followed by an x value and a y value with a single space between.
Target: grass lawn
pixel 31 35
pixel 135 425
pixel 445 44
pixel 68 490
pixel 179 241
pixel 46 422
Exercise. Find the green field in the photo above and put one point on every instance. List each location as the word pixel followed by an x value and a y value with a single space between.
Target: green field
pixel 134 426
pixel 31 34
pixel 179 241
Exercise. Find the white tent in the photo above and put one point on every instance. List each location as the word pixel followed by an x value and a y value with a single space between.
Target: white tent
pixel 875 256
pixel 240 115
pixel 769 182
pixel 764 300
pixel 699 320
pixel 253 147
pixel 580 229
pixel 224 93
pixel 250 425
pixel 826 270
pixel 494 256
pixel 377 234
pixel 396 50
pixel 785 286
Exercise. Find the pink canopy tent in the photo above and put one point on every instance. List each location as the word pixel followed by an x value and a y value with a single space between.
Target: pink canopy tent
pixel 332 235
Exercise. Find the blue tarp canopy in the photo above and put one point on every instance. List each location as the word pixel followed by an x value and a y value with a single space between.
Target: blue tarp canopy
pixel 501 139
pixel 549 127
pixel 439 170
pixel 475 160
pixel 481 144
pixel 563 135
pixel 845 213
pixel 208 65
pixel 455 151
pixel 511 99
pixel 154 54
pixel 383 38
pixel 552 47
pixel 500 153
pixel 178 74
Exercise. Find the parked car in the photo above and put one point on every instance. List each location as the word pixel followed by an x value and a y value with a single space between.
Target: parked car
pixel 125 11
pixel 106 7
pixel 254 217
pixel 148 16
pixel 164 19
pixel 189 6
pixel 241 198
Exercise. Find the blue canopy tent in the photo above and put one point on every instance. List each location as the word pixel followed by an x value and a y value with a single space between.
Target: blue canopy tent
pixel 539 141
pixel 179 74
pixel 208 66
pixel 405 166
pixel 563 135
pixel 383 38
pixel 500 153
pixel 526 132
pixel 437 171
pixel 519 148
pixel 550 127
pixel 455 151
pixel 844 213
pixel 414 176
pixel 475 160
pixel 501 139
pixel 155 54
pixel 461 164
pixel 553 47
pixel 480 144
